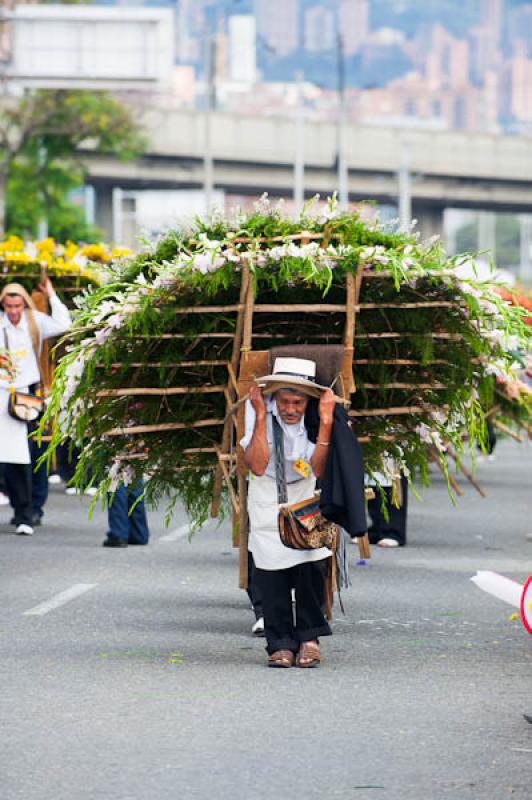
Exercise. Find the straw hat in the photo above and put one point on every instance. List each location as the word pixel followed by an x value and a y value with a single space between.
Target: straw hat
pixel 292 373
pixel 18 289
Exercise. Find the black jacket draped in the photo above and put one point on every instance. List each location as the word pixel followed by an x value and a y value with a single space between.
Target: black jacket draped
pixel 342 484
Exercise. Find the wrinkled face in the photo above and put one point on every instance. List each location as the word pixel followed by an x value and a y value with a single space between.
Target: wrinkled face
pixel 291 405
pixel 14 308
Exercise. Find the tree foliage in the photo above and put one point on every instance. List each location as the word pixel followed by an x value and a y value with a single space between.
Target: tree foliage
pixel 43 140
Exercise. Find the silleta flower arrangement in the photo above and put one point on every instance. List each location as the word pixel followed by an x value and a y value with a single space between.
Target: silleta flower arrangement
pixel 72 267
pixel 153 359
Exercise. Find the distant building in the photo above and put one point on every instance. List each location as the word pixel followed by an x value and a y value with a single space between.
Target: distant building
pixel 485 52
pixel 319 29
pixel 520 69
pixel 491 13
pixel 277 25
pixel 412 101
pixel 242 48
pixel 353 23
pixel 520 26
pixel 447 61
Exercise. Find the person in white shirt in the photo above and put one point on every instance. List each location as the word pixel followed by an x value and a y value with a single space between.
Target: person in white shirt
pixel 23 330
pixel 279 569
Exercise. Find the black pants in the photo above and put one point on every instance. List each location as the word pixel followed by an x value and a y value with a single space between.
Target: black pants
pixel 18 482
pixel 275 586
pixel 395 526
pixel 66 461
pixel 253 590
pixel 16 485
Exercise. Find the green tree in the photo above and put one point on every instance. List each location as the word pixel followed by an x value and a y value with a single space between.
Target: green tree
pixel 44 138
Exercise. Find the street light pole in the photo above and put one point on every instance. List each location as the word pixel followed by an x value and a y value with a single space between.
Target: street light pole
pixel 208 164
pixel 343 187
pixel 299 155
pixel 405 189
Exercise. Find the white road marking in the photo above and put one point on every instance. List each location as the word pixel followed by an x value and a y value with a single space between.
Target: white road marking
pixel 60 599
pixel 178 533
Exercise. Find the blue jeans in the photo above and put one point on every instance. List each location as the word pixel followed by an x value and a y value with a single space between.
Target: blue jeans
pixel 131 528
pixel 39 488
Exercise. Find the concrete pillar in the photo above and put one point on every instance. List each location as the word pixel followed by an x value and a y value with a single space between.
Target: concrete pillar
pixel 429 220
pixel 103 209
pixel 525 267
pixel 486 240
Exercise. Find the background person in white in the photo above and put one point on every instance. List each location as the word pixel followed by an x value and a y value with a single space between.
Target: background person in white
pixel 18 319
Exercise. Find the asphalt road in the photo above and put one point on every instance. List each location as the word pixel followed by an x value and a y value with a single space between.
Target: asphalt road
pixel 135 677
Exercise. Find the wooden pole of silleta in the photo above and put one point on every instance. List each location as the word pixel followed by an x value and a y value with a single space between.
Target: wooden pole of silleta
pixel 227 433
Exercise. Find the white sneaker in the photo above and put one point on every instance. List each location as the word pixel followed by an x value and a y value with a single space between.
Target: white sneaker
pixel 54 478
pixel 71 490
pixel 25 530
pixel 4 499
pixel 257 629
pixel 91 491
pixel 388 543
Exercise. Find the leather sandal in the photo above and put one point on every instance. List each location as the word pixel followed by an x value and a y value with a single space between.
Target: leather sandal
pixel 308 655
pixel 282 659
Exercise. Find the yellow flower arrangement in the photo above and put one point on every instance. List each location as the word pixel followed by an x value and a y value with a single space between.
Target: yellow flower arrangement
pixel 13 244
pixel 84 263
pixel 96 252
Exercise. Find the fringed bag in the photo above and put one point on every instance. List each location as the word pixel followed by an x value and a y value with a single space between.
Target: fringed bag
pixel 23 406
pixel 302 526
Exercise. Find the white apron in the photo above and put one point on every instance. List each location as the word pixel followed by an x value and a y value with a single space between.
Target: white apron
pixel 14 447
pixel 269 552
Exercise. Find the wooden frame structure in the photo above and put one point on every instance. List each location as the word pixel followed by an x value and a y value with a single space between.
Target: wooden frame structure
pixel 247 361
pixel 245 366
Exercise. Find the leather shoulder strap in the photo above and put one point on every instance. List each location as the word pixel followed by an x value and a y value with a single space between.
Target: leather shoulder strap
pixel 35 338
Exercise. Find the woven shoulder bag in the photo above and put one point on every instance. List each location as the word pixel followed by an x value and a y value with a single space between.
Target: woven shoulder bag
pixel 302 526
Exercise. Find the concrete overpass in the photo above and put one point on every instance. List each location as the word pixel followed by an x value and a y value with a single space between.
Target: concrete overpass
pixel 256 154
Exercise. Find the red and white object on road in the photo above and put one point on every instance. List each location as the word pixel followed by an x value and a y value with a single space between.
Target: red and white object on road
pixel 509 591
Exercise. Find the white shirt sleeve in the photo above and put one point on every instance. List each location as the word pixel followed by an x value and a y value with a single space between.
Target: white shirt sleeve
pixel 249 425
pixel 55 323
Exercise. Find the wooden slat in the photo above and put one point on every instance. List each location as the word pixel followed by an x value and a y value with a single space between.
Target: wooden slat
pixel 155 364
pixel 225 472
pixel 407 386
pixel 398 362
pixel 163 426
pixel 427 304
pixel 382 412
pixel 465 471
pixel 435 457
pixel 285 308
pixel 505 429
pixel 396 335
pixel 176 390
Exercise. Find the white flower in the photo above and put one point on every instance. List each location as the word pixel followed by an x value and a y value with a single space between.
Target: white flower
pixel 231 255
pixel 207 262
pixel 262 206
pixel 277 253
pixel 120 473
pixel 102 335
